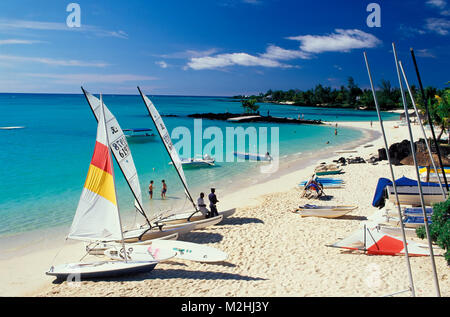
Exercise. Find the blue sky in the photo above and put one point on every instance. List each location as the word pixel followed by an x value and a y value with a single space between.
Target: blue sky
pixel 223 47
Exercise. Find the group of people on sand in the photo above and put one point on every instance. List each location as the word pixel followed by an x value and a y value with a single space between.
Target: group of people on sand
pixel 200 201
pixel 163 190
pixel 212 204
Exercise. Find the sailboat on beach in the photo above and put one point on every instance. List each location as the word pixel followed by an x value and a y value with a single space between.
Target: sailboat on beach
pixel 147 238
pixel 121 152
pixel 97 218
pixel 200 220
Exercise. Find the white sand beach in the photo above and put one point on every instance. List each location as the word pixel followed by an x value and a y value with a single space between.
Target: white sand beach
pixel 271 251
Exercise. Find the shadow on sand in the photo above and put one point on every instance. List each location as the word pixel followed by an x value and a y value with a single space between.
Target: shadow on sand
pixel 350 217
pixel 240 221
pixel 201 237
pixel 173 274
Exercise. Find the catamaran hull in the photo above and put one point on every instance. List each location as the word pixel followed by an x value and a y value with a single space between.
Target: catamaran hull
pixel 409 195
pixel 326 212
pixel 100 248
pixel 184 250
pixel 183 216
pixel 144 234
pixel 329 173
pixel 77 271
pixel 199 223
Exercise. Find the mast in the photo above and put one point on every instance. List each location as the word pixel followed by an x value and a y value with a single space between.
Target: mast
pixel 141 208
pixel 423 130
pixel 408 264
pixel 114 178
pixel 422 202
pixel 171 158
pixel 430 121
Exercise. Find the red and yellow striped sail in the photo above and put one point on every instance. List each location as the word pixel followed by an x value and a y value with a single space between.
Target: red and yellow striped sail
pixel 97 215
pixel 100 179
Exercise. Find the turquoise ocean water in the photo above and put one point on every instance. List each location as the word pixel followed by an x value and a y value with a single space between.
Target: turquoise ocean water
pixel 43 166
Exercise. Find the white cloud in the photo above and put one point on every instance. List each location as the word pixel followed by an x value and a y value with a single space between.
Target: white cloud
pixel 441 4
pixel 340 41
pixel 278 53
pixel 17 41
pixel 438 25
pixel 76 79
pixel 224 60
pixel 425 53
pixel 6 25
pixel 189 54
pixel 410 31
pixel 162 64
pixel 51 61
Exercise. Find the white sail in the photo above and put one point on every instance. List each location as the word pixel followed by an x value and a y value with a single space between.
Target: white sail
pixel 97 215
pixel 120 149
pixel 165 137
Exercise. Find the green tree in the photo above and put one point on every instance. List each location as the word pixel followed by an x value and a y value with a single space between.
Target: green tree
pixel 250 105
pixel 439 227
pixel 440 112
pixel 353 92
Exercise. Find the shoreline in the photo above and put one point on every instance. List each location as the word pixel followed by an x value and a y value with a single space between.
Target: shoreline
pixel 258 230
pixel 53 243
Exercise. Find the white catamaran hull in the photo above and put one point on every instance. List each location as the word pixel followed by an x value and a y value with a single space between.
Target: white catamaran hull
pixel 409 195
pixel 184 250
pixel 197 216
pixel 325 211
pixel 100 248
pixel 144 233
pixel 199 223
pixel 76 271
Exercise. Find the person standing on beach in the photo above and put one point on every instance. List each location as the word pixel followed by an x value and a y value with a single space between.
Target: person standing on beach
pixel 212 203
pixel 150 189
pixel 164 190
pixel 202 206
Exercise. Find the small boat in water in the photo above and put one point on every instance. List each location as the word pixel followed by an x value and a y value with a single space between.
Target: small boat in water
pixel 205 161
pixel 139 135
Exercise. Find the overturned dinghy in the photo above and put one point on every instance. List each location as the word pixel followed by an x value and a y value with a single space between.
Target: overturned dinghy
pixel 324 211
pixel 374 242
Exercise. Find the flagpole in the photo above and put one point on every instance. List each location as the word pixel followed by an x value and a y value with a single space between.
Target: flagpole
pixel 114 179
pixel 422 202
pixel 430 122
pixel 408 264
pixel 423 130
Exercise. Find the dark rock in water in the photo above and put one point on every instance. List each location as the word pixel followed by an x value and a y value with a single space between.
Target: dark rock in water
pixel 252 118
